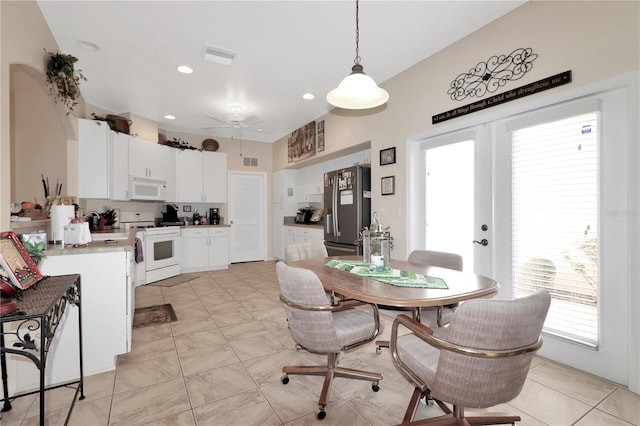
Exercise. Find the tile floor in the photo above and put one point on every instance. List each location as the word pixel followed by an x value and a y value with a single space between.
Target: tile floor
pixel 219 364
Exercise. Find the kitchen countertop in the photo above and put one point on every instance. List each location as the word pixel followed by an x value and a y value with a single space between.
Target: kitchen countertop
pixel 96 246
pixel 291 221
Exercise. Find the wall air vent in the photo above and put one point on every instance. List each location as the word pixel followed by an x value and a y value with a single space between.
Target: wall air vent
pixel 249 162
pixel 218 55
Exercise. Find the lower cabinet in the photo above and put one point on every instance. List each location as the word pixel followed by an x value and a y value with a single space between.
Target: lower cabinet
pixel 206 249
pixel 301 234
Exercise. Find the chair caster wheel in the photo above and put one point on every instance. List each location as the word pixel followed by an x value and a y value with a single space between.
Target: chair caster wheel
pixel 284 379
pixel 321 414
pixel 378 350
pixel 375 387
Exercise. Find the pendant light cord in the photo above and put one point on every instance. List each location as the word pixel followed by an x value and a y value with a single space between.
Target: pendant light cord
pixel 357 58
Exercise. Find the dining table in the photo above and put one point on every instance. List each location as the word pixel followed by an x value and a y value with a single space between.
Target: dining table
pixel 460 285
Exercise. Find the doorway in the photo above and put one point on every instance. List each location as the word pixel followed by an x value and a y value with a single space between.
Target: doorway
pixel 247 216
pixel 597 254
pixel 454 192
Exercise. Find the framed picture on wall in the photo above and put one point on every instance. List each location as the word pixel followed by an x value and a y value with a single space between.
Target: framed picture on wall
pixel 387 156
pixel 388 184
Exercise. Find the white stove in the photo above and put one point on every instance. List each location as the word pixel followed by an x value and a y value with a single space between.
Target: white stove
pixel 161 247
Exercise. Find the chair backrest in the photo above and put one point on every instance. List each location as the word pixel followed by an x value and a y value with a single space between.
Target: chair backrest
pixel 306 250
pixel 313 330
pixel 436 258
pixel 495 325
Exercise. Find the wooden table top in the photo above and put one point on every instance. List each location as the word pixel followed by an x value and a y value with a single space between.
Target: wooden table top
pixel 462 285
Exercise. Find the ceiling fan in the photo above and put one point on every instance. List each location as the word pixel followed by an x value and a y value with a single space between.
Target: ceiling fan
pixel 237 121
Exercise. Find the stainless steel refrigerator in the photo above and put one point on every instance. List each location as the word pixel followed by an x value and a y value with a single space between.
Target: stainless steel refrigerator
pixel 347 204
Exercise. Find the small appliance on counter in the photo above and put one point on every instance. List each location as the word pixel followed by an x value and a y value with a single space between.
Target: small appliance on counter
pixel 214 216
pixel 304 215
pixel 170 218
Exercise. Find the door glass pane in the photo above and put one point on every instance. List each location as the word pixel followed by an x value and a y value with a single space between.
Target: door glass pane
pixel 449 206
pixel 555 221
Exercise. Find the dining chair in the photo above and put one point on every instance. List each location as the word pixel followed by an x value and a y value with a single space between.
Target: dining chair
pixel 305 250
pixel 324 328
pixel 481 360
pixel 437 316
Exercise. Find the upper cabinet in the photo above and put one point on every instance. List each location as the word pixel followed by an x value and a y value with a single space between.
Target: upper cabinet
pixel 201 176
pixel 94 159
pixel 119 166
pixel 214 177
pixel 148 159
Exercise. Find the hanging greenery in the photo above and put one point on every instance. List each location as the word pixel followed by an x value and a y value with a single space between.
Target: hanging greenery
pixel 63 79
pixel 177 143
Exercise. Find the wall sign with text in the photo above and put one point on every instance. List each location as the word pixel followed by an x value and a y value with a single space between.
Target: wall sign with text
pixel 511 95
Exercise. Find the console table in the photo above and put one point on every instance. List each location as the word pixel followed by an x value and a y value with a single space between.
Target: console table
pixel 40 311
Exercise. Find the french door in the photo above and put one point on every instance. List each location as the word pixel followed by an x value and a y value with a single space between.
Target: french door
pixel 454 193
pixel 561 204
pixel 518 188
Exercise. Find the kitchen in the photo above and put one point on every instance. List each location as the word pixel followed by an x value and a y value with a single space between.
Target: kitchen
pixel 387 128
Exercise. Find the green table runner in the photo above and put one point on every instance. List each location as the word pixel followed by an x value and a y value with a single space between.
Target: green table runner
pixel 393 276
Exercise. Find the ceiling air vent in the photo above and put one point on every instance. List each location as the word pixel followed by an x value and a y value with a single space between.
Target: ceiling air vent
pixel 218 55
pixel 249 162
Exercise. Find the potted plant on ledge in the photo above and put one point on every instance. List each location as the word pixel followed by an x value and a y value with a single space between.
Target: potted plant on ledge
pixel 63 79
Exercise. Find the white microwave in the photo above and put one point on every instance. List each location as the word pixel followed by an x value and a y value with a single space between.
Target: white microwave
pixel 147 189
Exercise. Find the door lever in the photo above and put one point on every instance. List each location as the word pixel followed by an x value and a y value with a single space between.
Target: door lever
pixel 482 242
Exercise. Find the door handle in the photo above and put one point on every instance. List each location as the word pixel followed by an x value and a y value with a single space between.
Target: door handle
pixel 482 242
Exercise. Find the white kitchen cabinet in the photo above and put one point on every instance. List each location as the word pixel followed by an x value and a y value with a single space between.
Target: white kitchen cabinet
pixel 206 249
pixel 201 177
pixel 301 234
pixel 214 177
pixel 283 204
pixel 94 159
pixel 188 176
pixel 148 159
pixel 107 311
pixel 119 166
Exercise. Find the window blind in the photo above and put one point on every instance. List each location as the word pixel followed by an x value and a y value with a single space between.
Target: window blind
pixel 555 221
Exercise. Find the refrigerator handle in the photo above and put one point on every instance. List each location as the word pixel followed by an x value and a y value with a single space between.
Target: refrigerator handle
pixel 336 230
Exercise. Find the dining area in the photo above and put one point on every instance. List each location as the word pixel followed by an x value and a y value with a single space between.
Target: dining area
pixel 221 363
pixel 458 347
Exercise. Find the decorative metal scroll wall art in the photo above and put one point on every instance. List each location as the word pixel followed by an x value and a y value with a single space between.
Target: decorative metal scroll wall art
pixel 509 95
pixel 489 76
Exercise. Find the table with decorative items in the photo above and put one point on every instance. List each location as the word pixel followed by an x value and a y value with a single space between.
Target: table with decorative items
pixel 29 330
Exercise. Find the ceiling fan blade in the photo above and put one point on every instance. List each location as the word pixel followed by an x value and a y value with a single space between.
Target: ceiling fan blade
pixel 218 119
pixel 216 127
pixel 252 120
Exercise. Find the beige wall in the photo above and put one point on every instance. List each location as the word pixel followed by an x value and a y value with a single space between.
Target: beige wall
pixel 23 36
pixel 595 40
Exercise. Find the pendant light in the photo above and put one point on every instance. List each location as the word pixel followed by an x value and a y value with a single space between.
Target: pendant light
pixel 357 90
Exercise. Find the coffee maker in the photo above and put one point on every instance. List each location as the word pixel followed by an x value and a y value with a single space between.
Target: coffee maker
pixel 214 216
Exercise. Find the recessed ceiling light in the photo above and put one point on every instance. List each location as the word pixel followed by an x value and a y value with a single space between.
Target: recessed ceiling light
pixel 184 69
pixel 87 45
pixel 308 96
pixel 170 117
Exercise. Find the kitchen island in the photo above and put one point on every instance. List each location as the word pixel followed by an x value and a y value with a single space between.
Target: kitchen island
pixel 107 313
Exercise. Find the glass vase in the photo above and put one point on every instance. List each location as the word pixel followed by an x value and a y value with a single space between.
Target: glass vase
pixel 376 250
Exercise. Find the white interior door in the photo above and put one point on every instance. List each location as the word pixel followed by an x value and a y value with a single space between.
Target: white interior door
pixel 453 197
pixel 247 216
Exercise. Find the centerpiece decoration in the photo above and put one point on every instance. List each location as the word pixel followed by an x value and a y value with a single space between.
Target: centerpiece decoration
pixel 376 246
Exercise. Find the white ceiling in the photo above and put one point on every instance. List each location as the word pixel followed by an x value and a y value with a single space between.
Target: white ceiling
pixel 284 49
